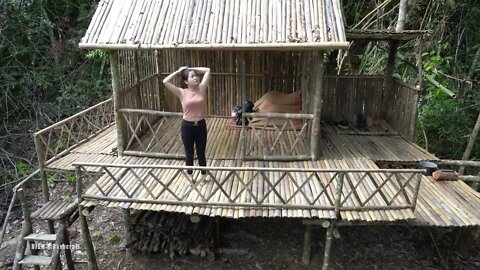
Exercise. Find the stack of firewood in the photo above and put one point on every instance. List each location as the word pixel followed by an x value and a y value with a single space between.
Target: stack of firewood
pixel 171 233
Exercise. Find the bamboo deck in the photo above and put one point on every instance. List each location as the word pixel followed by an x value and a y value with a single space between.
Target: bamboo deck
pixel 335 145
pixel 446 203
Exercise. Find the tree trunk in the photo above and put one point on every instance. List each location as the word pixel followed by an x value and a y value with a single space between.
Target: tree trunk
pixel 402 14
pixel 471 142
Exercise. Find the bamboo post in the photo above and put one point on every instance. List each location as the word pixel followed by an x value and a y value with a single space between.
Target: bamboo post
pixel 137 88
pixel 243 78
pixel 317 86
pixel 388 79
pixel 470 144
pixel 87 240
pixel 116 100
pixel 28 220
pixel 307 244
pixel 128 234
pixel 41 153
pixel 328 246
pixel 26 230
pixel 331 228
pixel 68 251
pixel 55 264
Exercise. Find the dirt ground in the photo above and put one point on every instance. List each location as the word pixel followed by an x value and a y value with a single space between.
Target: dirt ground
pixel 261 243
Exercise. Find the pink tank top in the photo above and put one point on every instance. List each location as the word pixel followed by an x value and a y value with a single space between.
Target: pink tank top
pixel 193 105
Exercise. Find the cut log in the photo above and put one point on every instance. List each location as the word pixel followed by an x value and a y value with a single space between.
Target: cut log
pixel 171 233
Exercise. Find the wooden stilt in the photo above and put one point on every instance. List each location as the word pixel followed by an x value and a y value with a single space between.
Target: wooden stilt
pixel 56 264
pixel 307 244
pixel 128 234
pixel 328 246
pixel 41 152
pixel 26 230
pixel 216 235
pixel 87 240
pixel 66 241
pixel 21 246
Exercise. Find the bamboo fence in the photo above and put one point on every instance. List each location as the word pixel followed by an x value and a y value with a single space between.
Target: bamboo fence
pixel 216 24
pixel 282 188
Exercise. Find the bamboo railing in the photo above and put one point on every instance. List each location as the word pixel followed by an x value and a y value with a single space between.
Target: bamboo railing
pixel 144 127
pixel 284 147
pixel 336 189
pixel 56 140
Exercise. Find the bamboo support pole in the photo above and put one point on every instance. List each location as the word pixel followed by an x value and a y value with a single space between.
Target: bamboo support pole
pixel 25 209
pixel 137 88
pixel 280 115
pixel 307 244
pixel 55 264
pixel 41 166
pixel 128 234
pixel 27 229
pixel 315 139
pixel 328 246
pixel 114 65
pixel 87 240
pixel 466 163
pixel 66 241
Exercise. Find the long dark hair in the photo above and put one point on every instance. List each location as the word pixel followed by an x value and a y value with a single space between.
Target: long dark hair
pixel 184 75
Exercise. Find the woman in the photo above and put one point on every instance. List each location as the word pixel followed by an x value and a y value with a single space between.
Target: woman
pixel 193 99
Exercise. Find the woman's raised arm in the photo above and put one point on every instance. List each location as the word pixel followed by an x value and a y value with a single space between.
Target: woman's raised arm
pixel 206 77
pixel 170 86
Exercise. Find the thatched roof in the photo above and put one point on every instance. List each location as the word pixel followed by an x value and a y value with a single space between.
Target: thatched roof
pixel 216 24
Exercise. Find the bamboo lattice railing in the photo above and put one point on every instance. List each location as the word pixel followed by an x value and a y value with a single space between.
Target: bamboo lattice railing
pixel 56 140
pixel 283 147
pixel 145 132
pixel 336 189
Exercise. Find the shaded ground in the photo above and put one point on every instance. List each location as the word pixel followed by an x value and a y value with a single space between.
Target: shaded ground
pixel 259 243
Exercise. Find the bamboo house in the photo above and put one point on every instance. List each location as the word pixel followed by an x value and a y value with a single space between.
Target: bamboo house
pixel 318 161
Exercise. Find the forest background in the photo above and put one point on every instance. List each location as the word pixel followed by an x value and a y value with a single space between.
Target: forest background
pixel 45 77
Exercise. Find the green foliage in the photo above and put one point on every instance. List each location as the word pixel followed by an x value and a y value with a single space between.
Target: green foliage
pixel 445 123
pixel 71 177
pixel 51 178
pixel 114 239
pixel 97 234
pixel 40 63
pixel 23 168
pixel 97 54
pixel 67 198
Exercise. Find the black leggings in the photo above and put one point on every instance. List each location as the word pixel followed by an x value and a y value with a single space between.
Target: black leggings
pixel 194 133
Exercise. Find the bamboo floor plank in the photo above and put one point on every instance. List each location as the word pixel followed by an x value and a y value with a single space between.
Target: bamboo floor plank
pixel 438 204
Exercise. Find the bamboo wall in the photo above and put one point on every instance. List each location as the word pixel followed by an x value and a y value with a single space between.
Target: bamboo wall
pixel 347 96
pixel 139 84
pixel 234 74
pixel 238 76
pixel 402 115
